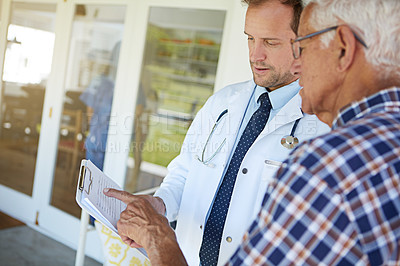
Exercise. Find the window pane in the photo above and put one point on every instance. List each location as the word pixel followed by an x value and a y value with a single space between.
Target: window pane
pixel 178 75
pixel 27 64
pixel 89 89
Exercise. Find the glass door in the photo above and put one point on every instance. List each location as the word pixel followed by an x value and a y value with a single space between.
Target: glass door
pixel 177 77
pixel 27 65
pixel 88 95
pixel 54 109
pixel 26 69
pixel 90 49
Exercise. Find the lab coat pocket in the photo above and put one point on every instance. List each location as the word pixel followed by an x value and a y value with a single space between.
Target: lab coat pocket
pixel 205 176
pixel 200 187
pixel 270 169
pixel 267 175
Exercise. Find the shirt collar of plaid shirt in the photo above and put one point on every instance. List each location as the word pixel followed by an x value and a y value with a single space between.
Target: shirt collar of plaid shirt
pixel 367 105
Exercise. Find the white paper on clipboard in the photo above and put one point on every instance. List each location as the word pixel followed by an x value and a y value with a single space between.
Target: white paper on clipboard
pixel 90 197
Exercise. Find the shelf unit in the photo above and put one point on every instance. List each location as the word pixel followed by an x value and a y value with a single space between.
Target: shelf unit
pixel 182 57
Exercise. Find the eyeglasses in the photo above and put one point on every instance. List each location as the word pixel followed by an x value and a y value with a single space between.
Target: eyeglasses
pixel 297 49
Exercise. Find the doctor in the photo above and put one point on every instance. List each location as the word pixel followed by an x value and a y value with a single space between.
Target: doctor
pixel 190 189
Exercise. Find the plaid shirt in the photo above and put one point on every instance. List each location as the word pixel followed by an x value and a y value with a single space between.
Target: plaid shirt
pixel 336 200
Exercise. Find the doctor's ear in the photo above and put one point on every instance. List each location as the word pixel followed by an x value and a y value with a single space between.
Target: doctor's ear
pixel 347 46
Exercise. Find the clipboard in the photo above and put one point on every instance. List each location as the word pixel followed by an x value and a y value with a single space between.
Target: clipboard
pixel 90 197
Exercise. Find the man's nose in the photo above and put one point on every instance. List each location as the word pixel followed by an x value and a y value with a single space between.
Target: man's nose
pixel 295 69
pixel 257 52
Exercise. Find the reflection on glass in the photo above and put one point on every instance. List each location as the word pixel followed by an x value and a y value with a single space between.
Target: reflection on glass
pixel 30 41
pixel 89 89
pixel 178 75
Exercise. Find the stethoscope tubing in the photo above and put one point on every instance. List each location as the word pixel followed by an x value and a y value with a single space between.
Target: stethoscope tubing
pixel 221 115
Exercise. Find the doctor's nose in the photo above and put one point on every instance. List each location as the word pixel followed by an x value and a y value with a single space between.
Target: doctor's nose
pixel 257 52
pixel 295 69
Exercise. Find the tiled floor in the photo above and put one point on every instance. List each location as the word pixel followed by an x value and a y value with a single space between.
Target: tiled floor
pixel 23 246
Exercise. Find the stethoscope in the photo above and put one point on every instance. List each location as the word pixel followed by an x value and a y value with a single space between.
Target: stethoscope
pixel 289 141
pixel 207 161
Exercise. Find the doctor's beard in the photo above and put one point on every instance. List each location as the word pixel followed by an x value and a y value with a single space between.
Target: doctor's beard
pixel 273 79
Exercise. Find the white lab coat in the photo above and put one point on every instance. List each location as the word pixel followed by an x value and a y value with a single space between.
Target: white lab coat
pixel 189 188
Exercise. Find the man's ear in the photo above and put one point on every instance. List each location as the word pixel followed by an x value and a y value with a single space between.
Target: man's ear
pixel 347 47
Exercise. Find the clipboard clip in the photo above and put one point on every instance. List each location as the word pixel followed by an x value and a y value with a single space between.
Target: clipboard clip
pixel 82 175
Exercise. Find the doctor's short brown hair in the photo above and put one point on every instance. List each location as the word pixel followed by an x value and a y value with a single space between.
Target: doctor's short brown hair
pixel 297 6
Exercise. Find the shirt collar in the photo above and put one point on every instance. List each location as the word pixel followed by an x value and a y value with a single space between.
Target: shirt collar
pixel 279 97
pixel 373 103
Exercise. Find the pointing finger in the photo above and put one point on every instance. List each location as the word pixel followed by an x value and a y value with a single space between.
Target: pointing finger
pixel 123 196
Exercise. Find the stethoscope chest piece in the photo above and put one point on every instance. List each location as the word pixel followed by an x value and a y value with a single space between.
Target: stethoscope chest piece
pixel 289 142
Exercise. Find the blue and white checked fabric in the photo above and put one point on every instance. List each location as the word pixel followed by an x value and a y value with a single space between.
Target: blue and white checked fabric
pixel 336 200
pixel 215 224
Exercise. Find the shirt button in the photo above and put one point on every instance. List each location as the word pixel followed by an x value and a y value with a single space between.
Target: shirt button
pixel 229 239
pixel 201 227
pixel 244 170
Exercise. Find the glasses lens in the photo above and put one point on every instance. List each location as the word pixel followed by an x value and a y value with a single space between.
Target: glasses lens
pixel 296 49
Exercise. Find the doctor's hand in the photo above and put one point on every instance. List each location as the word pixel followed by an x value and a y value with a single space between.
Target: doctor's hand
pixel 141 224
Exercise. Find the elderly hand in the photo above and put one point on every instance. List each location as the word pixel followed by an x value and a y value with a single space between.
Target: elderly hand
pixel 140 209
pixel 143 223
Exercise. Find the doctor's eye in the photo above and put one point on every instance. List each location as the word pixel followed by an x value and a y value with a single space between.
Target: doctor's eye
pixel 271 43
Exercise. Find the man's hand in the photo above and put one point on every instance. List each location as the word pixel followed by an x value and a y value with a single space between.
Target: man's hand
pixel 138 210
pixel 143 224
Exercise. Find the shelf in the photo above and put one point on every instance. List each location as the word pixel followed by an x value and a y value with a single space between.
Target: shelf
pixel 189 44
pixel 206 81
pixel 166 58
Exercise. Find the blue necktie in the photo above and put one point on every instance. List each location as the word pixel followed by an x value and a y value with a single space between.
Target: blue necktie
pixel 215 224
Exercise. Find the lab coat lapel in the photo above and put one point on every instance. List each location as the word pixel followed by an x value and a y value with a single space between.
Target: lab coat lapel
pixel 236 110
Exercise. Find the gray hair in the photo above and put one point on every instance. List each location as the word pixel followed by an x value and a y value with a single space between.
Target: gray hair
pixel 375 21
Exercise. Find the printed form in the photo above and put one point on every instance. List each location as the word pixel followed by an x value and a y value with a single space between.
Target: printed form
pixel 109 209
pixel 90 197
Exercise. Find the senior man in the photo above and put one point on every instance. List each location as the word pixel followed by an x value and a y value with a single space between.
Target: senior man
pixel 336 200
pixel 233 148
